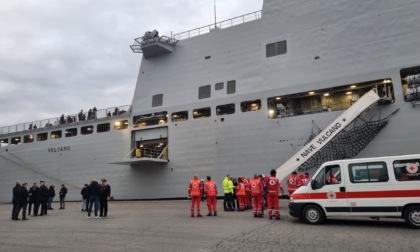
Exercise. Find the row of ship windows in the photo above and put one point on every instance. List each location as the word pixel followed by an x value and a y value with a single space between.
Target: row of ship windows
pixel 71 132
pixel 316 101
pixel 203 92
pixel 162 117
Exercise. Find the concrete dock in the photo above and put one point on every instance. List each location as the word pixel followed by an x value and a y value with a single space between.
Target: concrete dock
pixel 167 226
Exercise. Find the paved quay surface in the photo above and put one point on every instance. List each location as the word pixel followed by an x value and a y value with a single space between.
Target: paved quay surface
pixel 167 226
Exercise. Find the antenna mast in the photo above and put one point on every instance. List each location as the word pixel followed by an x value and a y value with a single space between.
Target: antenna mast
pixel 215 22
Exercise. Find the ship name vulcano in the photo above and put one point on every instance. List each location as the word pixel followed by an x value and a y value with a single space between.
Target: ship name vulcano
pixel 59 149
pixel 321 140
pixel 329 133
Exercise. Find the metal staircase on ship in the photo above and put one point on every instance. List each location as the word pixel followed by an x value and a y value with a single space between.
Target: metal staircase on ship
pixel 353 135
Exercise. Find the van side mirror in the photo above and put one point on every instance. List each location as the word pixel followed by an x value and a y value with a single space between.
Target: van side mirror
pixel 313 184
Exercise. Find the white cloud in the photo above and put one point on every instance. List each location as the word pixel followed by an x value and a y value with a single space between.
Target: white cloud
pixel 57 57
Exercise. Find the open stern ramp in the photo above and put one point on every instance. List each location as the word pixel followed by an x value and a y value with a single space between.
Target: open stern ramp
pixel 326 135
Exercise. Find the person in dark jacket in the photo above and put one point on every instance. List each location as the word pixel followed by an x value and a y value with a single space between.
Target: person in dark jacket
pixel 105 194
pixel 94 192
pixel 33 195
pixel 85 197
pixel 51 195
pixel 15 201
pixel 43 195
pixel 62 194
pixel 23 200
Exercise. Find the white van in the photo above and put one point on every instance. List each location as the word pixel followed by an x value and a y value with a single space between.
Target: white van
pixel 371 187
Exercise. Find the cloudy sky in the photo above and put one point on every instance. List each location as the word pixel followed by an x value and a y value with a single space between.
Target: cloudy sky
pixel 57 57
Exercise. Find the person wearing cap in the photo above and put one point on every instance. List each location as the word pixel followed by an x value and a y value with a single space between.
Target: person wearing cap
pixel 273 187
pixel 85 198
pixel 104 197
pixel 194 192
pixel 23 200
pixel 43 195
pixel 62 194
pixel 15 200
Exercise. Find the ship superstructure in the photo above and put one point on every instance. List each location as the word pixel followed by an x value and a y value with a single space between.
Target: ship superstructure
pixel 240 96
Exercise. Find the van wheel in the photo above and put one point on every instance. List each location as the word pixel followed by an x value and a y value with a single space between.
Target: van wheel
pixel 313 214
pixel 412 216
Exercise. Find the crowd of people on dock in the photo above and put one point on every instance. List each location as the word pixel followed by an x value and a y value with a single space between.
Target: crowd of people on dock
pixel 95 197
pixel 242 193
pixel 36 197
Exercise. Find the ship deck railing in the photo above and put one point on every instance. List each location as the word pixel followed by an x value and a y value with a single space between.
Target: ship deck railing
pixel 218 25
pixel 73 119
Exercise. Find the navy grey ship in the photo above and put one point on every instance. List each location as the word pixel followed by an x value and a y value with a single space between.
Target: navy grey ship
pixel 244 95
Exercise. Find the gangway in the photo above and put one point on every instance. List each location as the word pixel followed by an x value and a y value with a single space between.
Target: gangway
pixel 326 135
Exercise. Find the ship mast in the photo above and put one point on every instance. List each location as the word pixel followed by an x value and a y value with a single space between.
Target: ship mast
pixel 215 14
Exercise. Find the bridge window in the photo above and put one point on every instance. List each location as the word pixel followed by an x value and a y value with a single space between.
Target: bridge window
pixel 407 170
pixel 55 134
pixel 225 109
pixel 231 87
pixel 15 140
pixel 218 86
pixel 368 172
pixel 86 130
pixel 4 142
pixel 201 113
pixel 247 106
pixel 104 127
pixel 42 136
pixel 326 100
pixel 119 125
pixel 179 116
pixel 150 119
pixel 28 138
pixel 204 92
pixel 277 48
pixel 157 100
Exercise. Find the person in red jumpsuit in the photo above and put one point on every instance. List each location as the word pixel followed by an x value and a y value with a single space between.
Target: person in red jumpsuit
pixel 273 187
pixel 256 190
pixel 241 194
pixel 194 192
pixel 210 190
pixel 293 183
pixel 247 200
pixel 306 179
